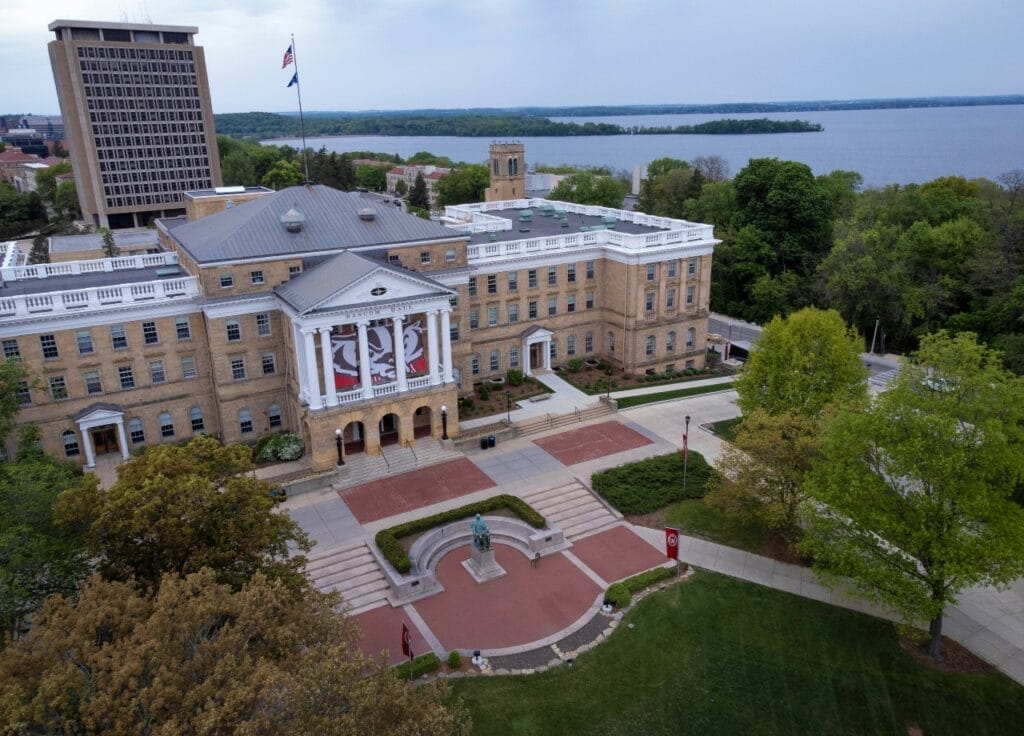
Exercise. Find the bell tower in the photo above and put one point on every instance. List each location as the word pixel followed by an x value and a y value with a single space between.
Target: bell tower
pixel 508 172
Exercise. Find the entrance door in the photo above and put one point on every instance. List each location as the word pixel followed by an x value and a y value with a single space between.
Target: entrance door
pixel 536 356
pixel 388 429
pixel 104 439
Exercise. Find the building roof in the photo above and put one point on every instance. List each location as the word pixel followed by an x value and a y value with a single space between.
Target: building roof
pixel 14 156
pixel 71 282
pixel 94 241
pixel 331 222
pixel 64 23
pixel 541 225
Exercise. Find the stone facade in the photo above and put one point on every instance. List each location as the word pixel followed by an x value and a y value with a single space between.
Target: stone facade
pixel 508 172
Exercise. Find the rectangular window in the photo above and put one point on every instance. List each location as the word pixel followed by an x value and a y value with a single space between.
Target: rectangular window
pixel 126 376
pixel 118 337
pixel 227 281
pixel 449 257
pixel 474 364
pixel 672 268
pixel 590 269
pixel 245 422
pixel 274 417
pixel 269 363
pixel 588 343
pixel 691 266
pixel 552 306
pixel 571 273
pixel 238 368
pixel 652 271
pixel 513 357
pixel 492 284
pixel 472 285
pixel 84 340
pixel 552 275
pixel 157 374
pixel 166 425
pixel 553 351
pixel 689 295
pixel 263 324
pixel 513 313
pixel 149 334
pixel 188 367
pixel 650 345
pixel 570 345
pixel 532 310
pixel 670 299
pixel 453 333
pixel 570 303
pixel 49 345
pixel 513 281
pixel 92 382
pixel 495 361
pixel 424 257
pixel 137 433
pixel 183 328
pixel 256 277
pixel 234 331
pixel 196 420
pixel 590 300
pixel 58 388
pixel 294 271
pixel 492 316
pixel 531 278
pixel 24 394
pixel 474 319
pixel 11 351
pixel 649 301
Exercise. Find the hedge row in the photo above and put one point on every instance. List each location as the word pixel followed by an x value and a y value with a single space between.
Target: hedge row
pixel 421 665
pixel 391 548
pixel 652 484
pixel 621 593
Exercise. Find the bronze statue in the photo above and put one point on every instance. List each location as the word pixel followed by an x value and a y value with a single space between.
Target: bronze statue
pixel 481 534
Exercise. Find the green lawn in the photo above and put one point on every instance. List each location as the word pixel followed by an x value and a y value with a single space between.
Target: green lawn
pixel 726 429
pixel 719 656
pixel 695 517
pixel 628 401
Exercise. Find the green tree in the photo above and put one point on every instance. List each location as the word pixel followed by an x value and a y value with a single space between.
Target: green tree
pixel 331 169
pixel 110 249
pixel 418 196
pixel 589 188
pixel 712 168
pixel 65 201
pixel 400 188
pixel 178 508
pixel 238 170
pixel 913 499
pixel 374 178
pixel 666 193
pixel 12 375
pixel 200 657
pixel 282 175
pixel 464 185
pixel 46 184
pixel 803 364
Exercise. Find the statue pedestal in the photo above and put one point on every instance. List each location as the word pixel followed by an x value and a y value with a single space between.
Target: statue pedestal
pixel 482 566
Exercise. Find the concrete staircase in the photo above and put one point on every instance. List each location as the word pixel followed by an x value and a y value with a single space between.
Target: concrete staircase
pixel 552 421
pixel 577 511
pixel 393 460
pixel 350 570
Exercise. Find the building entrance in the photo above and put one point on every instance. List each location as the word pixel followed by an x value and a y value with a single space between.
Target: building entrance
pixel 388 429
pixel 104 439
pixel 537 356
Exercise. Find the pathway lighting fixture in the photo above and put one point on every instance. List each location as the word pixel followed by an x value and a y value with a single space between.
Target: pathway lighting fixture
pixel 341 451
pixel 444 422
pixel 508 406
pixel 686 450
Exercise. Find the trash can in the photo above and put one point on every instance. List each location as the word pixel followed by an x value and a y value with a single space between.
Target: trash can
pixel 483 443
pixel 491 440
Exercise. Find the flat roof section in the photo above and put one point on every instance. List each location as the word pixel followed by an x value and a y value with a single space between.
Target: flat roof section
pixel 80 281
pixel 94 241
pixel 544 226
pixel 62 23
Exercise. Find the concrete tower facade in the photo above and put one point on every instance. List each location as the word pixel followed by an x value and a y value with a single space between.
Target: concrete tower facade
pixel 136 105
pixel 508 172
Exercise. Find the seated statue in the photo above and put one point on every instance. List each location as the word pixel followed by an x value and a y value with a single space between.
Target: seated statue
pixel 481 534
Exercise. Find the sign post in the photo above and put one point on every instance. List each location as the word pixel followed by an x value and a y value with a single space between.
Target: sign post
pixel 672 545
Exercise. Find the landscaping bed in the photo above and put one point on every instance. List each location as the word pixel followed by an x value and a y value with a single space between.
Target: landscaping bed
pixel 594 378
pixel 489 398
pixel 652 484
pixel 726 429
pixel 627 401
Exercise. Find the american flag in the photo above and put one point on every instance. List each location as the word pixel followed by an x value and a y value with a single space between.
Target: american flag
pixel 288 58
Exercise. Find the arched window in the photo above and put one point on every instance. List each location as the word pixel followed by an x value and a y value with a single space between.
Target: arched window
pixel 510 167
pixel 274 415
pixel 650 345
pixel 135 431
pixel 244 421
pixel 497 168
pixel 70 442
pixel 670 341
pixel 691 337
pixel 166 425
pixel 515 167
pixel 195 418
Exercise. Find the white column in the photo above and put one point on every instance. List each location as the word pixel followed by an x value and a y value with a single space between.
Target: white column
pixel 315 398
pixel 527 369
pixel 122 438
pixel 365 377
pixel 432 347
pixel 446 345
pixel 547 354
pixel 300 363
pixel 327 353
pixel 90 456
pixel 403 384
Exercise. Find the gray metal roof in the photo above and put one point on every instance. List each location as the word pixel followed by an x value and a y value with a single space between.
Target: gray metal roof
pixel 253 229
pixel 94 241
pixel 542 226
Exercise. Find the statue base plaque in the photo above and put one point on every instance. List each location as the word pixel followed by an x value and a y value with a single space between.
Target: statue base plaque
pixel 482 565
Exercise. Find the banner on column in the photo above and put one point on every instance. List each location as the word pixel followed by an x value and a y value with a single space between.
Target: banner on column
pixel 381 349
pixel 415 346
pixel 345 346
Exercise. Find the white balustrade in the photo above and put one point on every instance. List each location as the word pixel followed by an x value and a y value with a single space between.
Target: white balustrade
pixel 419 382
pixel 10 272
pixel 385 389
pixel 98 297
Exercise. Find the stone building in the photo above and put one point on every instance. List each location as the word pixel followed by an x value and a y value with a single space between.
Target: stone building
pixel 508 172
pixel 408 173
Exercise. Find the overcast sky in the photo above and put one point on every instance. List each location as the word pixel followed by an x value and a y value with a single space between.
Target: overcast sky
pixel 393 54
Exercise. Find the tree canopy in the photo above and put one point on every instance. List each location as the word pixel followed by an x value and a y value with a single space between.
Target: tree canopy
pixel 468 183
pixel 586 187
pixel 418 196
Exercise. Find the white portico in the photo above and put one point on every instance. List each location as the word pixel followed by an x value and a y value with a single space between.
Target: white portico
pixel 537 349
pixel 99 423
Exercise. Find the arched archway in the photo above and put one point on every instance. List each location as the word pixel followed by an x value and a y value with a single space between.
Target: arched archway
pixel 422 422
pixel 354 438
pixel 389 429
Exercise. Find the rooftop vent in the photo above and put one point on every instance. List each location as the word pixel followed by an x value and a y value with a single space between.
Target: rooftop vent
pixel 293 220
pixel 492 236
pixel 367 213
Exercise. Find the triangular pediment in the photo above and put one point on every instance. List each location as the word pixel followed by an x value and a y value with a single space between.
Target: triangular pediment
pixel 381 286
pixel 537 334
pixel 98 414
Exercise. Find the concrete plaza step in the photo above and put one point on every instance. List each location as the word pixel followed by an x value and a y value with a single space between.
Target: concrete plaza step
pixel 573 507
pixel 393 460
pixel 555 421
pixel 351 571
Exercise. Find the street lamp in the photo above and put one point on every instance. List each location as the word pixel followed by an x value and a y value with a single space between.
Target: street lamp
pixel 686 451
pixel 444 422
pixel 337 442
pixel 508 407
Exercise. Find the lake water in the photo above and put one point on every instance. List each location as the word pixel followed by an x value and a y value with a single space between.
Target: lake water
pixel 885 146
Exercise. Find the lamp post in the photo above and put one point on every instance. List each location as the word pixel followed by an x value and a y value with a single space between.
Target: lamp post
pixel 444 422
pixel 508 407
pixel 686 451
pixel 338 444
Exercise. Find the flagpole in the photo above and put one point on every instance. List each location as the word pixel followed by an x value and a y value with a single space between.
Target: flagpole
pixel 302 123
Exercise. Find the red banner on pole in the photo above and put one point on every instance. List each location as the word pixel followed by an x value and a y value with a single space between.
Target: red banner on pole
pixel 406 641
pixel 671 543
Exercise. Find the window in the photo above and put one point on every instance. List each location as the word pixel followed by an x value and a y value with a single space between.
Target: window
pixel 513 312
pixel 166 425
pixel 183 328
pixel 449 257
pixel 672 267
pixel 649 301
pixel 474 318
pixel 135 431
pixel 571 273
pixel 472 285
pixel 118 338
pixel 570 303
pixel 588 342
pixel 274 415
pixel 689 295
pixel 689 364
pixel 453 333
pixel 24 394
pixel 590 300
pixel 84 340
pixel 263 324
pixel 157 374
pixel 492 284
pixel 590 269
pixel 611 342
pixel 691 266
pixel 92 382
pixel 188 367
pixel 227 281
pixel 650 345
pixel 553 350
pixel 513 357
pixel 670 342
pixel 670 299
pixel 256 277
pixel 394 258
pixel 531 278
pixel 570 345
pixel 70 441
pixel 513 281
pixel 238 368
pixel 11 351
pixel 492 316
pixel 552 306
pixel 424 257
pixel 49 345
pixel 269 363
pixel 495 361
pixel 233 330
pixel 532 310
pixel 474 364
pixel 149 334
pixel 245 421
pixel 58 388
pixel 294 271
pixel 652 271
pixel 691 337
pixel 195 419
pixel 552 275
pixel 126 376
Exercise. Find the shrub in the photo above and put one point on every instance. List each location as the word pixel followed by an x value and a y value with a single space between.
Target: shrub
pixel 618 595
pixel 467 402
pixel 574 365
pixel 485 393
pixel 391 548
pixel 621 593
pixel 284 446
pixel 514 377
pixel 420 665
pixel 689 371
pixel 454 660
pixel 651 484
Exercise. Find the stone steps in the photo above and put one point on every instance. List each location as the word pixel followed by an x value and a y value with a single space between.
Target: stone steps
pixel 393 460
pixel 573 508
pixel 548 422
pixel 353 572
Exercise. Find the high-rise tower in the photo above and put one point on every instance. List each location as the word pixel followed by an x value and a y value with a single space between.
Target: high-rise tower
pixel 138 118
pixel 508 172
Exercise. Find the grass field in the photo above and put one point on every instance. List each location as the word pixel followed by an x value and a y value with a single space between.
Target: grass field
pixel 628 401
pixel 695 517
pixel 719 656
pixel 726 429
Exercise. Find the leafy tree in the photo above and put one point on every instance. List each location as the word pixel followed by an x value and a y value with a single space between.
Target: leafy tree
pixel 400 188
pixel 282 175
pixel 374 178
pixel 711 168
pixel 178 508
pixel 661 166
pixel 802 364
pixel 589 188
pixel 110 249
pixel 237 170
pixel 65 201
pixel 12 374
pixel 418 196
pixel 426 158
pixel 666 193
pixel 913 499
pixel 46 184
pixel 201 658
pixel 331 169
pixel 463 185
pixel 20 212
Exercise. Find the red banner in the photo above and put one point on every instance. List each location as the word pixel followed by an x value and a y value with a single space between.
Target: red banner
pixel 671 543
pixel 406 641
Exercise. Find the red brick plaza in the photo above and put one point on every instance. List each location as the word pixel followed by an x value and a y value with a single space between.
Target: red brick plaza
pixel 590 443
